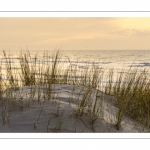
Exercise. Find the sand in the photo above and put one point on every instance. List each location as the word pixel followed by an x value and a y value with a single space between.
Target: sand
pixel 59 112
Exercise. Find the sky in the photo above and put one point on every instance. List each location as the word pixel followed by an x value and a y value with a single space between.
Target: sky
pixel 75 33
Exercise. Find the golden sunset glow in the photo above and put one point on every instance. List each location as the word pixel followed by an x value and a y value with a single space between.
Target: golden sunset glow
pixel 75 33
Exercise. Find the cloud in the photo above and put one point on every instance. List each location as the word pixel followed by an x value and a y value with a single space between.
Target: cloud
pixel 138 33
pixel 141 33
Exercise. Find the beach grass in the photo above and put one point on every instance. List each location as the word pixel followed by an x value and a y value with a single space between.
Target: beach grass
pixel 131 88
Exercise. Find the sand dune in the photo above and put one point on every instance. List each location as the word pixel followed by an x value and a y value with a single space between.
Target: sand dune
pixel 34 110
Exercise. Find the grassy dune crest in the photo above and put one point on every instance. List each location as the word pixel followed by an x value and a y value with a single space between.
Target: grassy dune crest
pixel 130 90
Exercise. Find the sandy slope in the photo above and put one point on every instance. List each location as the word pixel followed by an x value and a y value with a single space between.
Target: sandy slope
pixel 59 112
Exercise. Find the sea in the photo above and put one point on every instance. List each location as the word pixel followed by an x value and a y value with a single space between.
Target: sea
pixel 109 59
